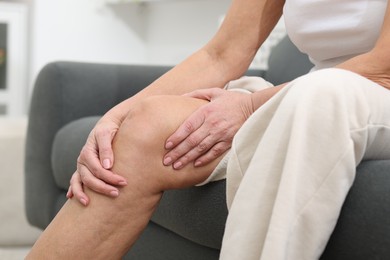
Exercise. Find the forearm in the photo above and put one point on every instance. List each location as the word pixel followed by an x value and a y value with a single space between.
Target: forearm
pixel 373 65
pixel 259 98
pixel 370 65
pixel 200 70
pixel 226 57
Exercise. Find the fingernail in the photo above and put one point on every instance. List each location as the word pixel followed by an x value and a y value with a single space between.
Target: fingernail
pixel 167 160
pixel 106 163
pixel 177 165
pixel 83 201
pixel 114 193
pixel 198 163
pixel 168 145
pixel 122 183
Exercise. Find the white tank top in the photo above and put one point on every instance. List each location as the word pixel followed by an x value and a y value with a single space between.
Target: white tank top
pixel 332 31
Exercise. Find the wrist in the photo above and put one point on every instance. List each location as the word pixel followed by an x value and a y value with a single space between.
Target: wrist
pixel 259 98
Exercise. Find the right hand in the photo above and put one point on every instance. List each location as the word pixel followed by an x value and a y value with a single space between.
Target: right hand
pixel 95 162
pixel 209 131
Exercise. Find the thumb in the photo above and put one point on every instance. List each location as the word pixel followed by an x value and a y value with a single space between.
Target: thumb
pixel 106 155
pixel 205 94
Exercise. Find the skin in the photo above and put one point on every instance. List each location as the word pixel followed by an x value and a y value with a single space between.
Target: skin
pixel 226 57
pixel 124 154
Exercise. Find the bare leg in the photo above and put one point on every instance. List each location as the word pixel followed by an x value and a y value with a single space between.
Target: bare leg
pixel 108 227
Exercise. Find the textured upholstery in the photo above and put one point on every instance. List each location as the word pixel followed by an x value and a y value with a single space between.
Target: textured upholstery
pixel 69 98
pixel 65 92
pixel 363 228
pixel 67 145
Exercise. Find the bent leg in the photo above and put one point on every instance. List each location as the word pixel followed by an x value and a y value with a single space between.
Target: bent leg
pixel 293 174
pixel 108 227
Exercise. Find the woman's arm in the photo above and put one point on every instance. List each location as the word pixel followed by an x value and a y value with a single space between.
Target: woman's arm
pixel 247 25
pixel 226 57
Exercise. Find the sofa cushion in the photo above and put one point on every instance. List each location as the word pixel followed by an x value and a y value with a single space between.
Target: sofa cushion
pixel 363 228
pixel 158 243
pixel 66 148
pixel 197 213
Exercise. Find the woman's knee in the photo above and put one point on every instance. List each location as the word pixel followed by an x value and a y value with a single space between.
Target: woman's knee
pixel 139 144
pixel 145 124
pixel 153 119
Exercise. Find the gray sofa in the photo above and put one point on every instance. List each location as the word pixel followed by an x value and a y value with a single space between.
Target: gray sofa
pixel 69 98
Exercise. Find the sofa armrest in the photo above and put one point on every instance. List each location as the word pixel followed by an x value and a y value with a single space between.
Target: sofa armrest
pixel 64 92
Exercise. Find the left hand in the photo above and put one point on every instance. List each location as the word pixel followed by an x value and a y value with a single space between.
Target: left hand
pixel 209 131
pixel 95 161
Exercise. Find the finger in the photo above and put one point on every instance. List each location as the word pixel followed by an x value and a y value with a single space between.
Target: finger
pixel 95 184
pixel 205 94
pixel 196 152
pixel 216 151
pixel 191 124
pixel 181 151
pixel 77 190
pixel 104 142
pixel 89 159
pixel 69 194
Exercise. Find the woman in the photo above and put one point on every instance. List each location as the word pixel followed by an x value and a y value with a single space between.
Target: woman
pixel 295 147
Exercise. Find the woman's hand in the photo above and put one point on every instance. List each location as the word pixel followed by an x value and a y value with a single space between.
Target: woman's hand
pixel 94 163
pixel 209 131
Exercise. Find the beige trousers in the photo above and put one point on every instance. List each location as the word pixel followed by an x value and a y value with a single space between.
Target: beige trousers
pixel 293 162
